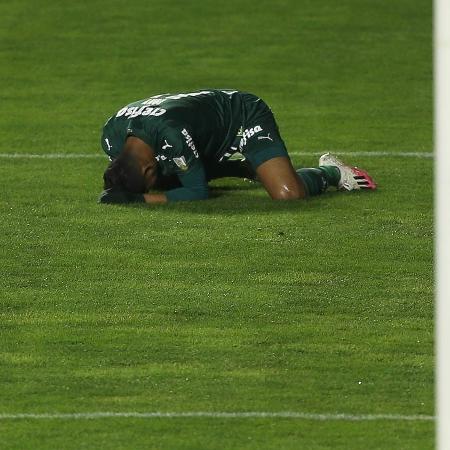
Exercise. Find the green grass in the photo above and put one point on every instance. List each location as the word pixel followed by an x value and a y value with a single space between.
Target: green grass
pixel 236 303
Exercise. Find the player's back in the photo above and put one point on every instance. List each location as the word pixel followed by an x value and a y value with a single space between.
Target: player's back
pixel 212 117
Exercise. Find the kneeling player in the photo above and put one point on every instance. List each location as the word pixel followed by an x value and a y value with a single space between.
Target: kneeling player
pixel 178 142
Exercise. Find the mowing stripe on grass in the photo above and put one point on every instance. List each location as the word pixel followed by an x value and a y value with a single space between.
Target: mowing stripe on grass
pixel 220 415
pixel 99 155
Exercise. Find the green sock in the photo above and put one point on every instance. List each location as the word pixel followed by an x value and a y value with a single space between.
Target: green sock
pixel 332 173
pixel 316 181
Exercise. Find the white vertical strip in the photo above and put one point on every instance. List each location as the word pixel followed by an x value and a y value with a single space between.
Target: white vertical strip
pixel 442 193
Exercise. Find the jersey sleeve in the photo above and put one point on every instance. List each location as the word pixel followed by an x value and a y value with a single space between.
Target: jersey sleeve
pixel 179 155
pixel 195 186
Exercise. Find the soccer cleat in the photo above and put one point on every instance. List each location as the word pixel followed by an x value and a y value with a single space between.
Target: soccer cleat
pixel 352 178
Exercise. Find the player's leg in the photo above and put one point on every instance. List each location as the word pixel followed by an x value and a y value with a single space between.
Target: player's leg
pixel 264 148
pixel 334 172
pixel 280 179
pixel 282 182
pixel 350 178
pixel 318 180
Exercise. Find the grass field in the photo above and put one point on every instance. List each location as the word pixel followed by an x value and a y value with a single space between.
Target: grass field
pixel 237 303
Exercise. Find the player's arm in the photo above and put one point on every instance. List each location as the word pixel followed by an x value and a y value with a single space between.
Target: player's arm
pixel 194 187
pixel 194 184
pixel 155 198
pixel 136 170
pixel 183 160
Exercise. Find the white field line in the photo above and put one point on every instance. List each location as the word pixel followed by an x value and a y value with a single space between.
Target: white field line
pixel 220 415
pixel 370 154
pixel 100 155
pixel 52 156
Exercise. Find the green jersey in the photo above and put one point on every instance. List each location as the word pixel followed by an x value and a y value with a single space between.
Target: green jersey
pixel 189 131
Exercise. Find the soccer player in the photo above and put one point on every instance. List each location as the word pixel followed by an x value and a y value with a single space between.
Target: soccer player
pixel 178 142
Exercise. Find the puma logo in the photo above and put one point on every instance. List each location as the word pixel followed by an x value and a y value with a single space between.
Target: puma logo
pixel 166 145
pixel 265 137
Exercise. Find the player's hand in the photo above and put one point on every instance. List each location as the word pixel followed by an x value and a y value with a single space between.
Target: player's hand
pixel 118 196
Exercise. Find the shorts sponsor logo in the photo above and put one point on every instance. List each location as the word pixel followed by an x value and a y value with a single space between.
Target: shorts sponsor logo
pixel 135 111
pixel 189 141
pixel 247 134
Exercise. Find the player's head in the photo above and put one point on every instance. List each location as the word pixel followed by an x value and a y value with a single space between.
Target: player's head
pixel 135 169
pixel 125 172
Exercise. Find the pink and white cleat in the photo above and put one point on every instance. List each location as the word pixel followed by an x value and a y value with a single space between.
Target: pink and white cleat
pixel 352 178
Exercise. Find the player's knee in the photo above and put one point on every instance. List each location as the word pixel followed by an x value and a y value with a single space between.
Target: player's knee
pixel 288 193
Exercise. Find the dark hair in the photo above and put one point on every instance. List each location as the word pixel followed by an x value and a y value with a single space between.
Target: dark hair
pixel 124 173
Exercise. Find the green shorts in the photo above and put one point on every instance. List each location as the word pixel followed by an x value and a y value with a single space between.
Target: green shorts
pixel 259 138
